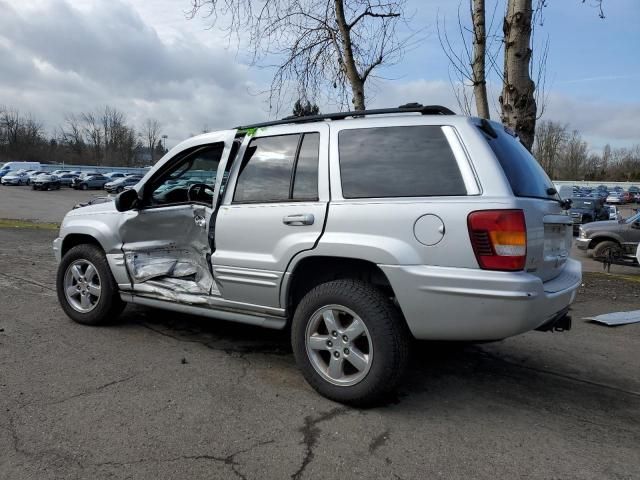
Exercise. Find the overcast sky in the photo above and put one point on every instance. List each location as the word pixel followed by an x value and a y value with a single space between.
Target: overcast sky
pixel 147 59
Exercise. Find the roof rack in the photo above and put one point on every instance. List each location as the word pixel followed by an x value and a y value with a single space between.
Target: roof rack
pixel 407 108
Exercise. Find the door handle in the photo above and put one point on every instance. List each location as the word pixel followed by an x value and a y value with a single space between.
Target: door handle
pixel 300 219
pixel 200 221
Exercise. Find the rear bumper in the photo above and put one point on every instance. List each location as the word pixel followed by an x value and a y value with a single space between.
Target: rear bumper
pixel 469 304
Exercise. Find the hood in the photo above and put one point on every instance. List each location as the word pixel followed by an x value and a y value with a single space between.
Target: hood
pixel 608 225
pixel 98 208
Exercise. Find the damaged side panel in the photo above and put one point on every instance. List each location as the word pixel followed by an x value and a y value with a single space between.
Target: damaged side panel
pixel 178 268
pixel 176 261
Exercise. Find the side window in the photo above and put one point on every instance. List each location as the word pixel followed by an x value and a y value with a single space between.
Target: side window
pixel 197 167
pixel 305 183
pixel 413 161
pixel 265 172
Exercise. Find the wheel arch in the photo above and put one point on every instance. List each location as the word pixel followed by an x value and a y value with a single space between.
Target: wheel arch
pixel 311 271
pixel 73 239
pixel 604 238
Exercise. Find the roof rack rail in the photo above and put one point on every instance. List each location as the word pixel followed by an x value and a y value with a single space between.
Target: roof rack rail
pixel 407 108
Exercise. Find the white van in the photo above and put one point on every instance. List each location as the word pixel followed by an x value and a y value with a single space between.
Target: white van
pixel 13 166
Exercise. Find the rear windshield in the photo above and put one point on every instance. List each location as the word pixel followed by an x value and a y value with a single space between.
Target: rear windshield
pixel 580 203
pixel 526 176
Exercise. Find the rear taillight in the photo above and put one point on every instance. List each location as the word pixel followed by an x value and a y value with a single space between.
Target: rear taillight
pixel 499 239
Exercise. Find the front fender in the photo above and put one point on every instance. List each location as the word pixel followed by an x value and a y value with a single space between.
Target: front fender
pixel 103 230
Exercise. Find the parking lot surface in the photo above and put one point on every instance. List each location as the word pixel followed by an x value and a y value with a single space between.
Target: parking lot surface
pixel 161 395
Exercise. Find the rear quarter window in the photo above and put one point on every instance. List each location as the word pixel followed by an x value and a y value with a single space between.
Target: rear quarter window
pixel 408 161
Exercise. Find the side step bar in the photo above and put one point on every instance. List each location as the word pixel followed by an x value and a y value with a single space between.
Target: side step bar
pixel 257 319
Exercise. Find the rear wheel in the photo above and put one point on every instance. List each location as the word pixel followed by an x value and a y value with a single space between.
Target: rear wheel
pixel 350 341
pixel 84 186
pixel 86 288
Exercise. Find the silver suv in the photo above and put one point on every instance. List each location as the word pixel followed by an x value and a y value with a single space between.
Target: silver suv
pixel 359 230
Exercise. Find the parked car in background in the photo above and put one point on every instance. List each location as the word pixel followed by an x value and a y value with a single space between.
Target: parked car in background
pixel 60 172
pixel 613 212
pixel 33 175
pixel 121 184
pixel 616 238
pixel 15 166
pixel 15 178
pixel 628 197
pixel 46 181
pixel 114 175
pixel 82 176
pixel 93 181
pixel 615 198
pixel 66 179
pixel 585 210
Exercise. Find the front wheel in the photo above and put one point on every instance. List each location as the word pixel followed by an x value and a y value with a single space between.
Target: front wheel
pixel 86 289
pixel 350 341
pixel 607 250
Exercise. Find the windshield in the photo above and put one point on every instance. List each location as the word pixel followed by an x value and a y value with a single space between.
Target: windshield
pixel 632 218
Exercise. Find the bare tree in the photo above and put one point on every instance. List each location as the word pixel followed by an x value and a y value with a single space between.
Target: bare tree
pixel 468 63
pixel 93 135
pixel 322 45
pixel 549 145
pixel 151 134
pixel 517 100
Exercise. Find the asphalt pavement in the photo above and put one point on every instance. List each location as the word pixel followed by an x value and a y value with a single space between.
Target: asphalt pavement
pixel 159 395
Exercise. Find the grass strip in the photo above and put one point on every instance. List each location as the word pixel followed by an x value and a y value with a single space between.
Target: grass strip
pixel 11 223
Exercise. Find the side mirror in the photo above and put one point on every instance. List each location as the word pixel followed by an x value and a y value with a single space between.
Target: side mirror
pixel 127 200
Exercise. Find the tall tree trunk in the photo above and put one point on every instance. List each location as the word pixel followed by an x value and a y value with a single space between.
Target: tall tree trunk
pixel 348 62
pixel 517 101
pixel 479 56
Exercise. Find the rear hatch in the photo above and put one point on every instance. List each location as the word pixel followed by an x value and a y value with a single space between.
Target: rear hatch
pixel 549 228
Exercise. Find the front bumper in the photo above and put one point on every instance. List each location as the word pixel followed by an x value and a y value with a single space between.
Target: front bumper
pixel 441 303
pixel 583 243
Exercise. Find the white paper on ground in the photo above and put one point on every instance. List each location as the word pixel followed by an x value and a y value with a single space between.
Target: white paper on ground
pixel 617 318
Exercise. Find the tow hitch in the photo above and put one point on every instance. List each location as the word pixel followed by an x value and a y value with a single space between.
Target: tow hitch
pixel 560 323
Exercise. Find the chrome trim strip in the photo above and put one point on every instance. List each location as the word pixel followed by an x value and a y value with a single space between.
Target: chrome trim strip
pixel 249 281
pixel 247 272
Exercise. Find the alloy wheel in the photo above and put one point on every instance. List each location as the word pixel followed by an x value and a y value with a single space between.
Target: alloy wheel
pixel 82 286
pixel 339 345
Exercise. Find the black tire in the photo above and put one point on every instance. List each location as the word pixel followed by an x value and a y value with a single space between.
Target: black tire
pixel 119 190
pixel 387 330
pixel 84 186
pixel 607 249
pixel 109 305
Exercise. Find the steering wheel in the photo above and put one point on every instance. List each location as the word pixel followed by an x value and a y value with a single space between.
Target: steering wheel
pixel 197 190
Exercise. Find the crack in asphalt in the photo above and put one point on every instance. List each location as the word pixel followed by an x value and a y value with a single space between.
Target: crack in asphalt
pixel 229 460
pixel 84 393
pixel 27 280
pixel 378 441
pixel 310 433
pixel 15 444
